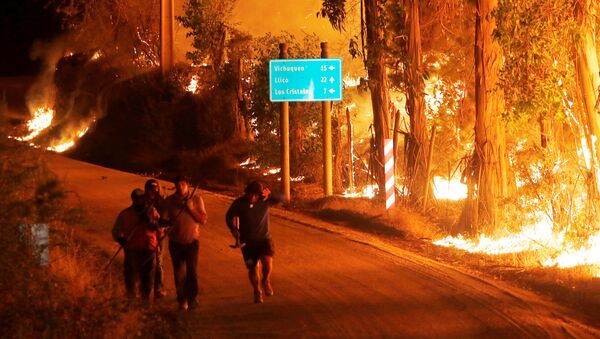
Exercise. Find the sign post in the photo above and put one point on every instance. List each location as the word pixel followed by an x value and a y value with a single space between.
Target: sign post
pixel 306 80
pixel 284 126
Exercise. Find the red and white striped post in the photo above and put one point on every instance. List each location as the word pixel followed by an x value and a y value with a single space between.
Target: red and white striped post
pixel 390 180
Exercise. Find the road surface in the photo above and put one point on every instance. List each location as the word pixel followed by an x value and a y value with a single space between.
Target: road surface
pixel 326 284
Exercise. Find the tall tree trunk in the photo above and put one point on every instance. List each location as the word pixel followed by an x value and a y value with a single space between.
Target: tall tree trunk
pixel 338 153
pixel 586 64
pixel 241 111
pixel 417 156
pixel 378 85
pixel 488 164
pixel 297 138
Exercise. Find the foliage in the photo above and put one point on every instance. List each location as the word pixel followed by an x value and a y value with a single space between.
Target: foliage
pixel 335 12
pixel 265 114
pixel 538 72
pixel 126 31
pixel 552 185
pixel 207 21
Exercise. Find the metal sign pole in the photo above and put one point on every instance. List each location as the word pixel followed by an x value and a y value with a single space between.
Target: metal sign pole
pixel 327 147
pixel 284 126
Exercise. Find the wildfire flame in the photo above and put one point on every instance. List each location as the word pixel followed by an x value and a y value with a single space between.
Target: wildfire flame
pixel 452 189
pixel 369 191
pixel 42 119
pixel 193 86
pixel 539 236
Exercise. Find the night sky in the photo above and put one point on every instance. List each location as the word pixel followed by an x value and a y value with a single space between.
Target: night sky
pixel 22 22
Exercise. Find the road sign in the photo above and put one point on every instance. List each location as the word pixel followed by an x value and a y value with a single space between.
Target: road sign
pixel 305 79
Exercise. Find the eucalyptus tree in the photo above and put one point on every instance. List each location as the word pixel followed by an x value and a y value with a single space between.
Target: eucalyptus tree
pixel 208 24
pixel 374 25
pixel 487 170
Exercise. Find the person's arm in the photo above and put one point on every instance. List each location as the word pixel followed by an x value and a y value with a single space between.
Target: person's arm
pixel 231 214
pixel 117 231
pixel 270 198
pixel 195 206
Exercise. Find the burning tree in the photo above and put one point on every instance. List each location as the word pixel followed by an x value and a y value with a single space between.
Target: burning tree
pixel 126 31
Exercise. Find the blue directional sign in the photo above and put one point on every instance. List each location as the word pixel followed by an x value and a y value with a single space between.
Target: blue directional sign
pixel 305 79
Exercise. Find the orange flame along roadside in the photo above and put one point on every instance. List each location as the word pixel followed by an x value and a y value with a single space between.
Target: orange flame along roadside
pixel 42 120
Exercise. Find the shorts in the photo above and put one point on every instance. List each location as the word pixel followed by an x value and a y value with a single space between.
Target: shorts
pixel 255 249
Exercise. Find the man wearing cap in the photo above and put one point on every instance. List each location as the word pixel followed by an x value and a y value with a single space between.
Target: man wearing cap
pixel 252 211
pixel 185 212
pixel 135 230
pixel 155 200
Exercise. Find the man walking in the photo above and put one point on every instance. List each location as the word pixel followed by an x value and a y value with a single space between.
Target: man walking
pixel 135 230
pixel 155 200
pixel 185 212
pixel 252 211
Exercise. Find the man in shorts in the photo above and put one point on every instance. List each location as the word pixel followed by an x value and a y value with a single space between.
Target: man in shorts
pixel 252 211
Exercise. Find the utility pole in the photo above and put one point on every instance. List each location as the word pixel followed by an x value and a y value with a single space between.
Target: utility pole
pixel 284 126
pixel 166 36
pixel 327 147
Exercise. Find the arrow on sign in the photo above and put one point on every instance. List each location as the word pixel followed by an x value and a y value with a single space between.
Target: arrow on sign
pixel 331 68
pixel 332 90
pixel 331 80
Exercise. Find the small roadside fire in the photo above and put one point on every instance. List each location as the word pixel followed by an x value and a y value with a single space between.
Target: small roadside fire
pixel 193 86
pixel 42 119
pixel 40 122
pixel 559 252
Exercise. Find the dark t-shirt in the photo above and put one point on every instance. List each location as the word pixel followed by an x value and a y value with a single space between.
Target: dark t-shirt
pixel 253 218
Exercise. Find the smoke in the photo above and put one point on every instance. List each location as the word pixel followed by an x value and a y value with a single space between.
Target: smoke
pixel 42 92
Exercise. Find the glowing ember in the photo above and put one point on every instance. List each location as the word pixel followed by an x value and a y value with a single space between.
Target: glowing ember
pixel 42 118
pixel 97 55
pixel 449 189
pixel 193 86
pixel 369 191
pixel 271 171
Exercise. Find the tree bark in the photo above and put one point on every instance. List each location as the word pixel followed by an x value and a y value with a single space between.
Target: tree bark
pixel 378 86
pixel 586 64
pixel 488 164
pixel 417 156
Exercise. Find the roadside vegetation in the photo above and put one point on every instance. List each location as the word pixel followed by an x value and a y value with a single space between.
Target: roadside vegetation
pixel 59 289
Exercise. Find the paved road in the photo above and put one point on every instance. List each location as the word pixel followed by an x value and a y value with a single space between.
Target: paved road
pixel 326 284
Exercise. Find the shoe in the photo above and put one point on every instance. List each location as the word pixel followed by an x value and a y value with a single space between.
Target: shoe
pixel 192 305
pixel 267 288
pixel 183 306
pixel 258 298
pixel 159 294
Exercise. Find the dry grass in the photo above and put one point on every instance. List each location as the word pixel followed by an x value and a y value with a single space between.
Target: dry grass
pixel 577 288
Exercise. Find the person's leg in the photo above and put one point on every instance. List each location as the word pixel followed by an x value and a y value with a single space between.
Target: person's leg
pixel 145 264
pixel 249 252
pixel 178 260
pixel 254 276
pixel 267 266
pixel 158 277
pixel 191 278
pixel 129 274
